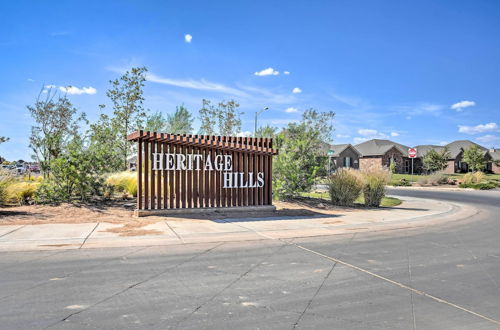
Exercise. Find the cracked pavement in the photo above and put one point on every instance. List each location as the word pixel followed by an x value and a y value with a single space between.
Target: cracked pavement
pixel 431 277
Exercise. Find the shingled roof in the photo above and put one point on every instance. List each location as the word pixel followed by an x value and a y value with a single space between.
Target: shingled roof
pixel 456 147
pixel 339 148
pixel 378 147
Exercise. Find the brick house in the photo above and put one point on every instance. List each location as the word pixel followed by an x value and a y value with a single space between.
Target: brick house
pixel 344 155
pixel 378 153
pixel 456 150
pixel 495 160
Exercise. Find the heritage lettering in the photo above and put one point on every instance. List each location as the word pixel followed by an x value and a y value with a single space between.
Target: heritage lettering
pixel 195 162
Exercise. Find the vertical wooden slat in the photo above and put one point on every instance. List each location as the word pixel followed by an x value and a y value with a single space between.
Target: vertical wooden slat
pixel 270 175
pixel 245 173
pixel 177 182
pixel 212 176
pixel 165 174
pixel 189 180
pixel 158 181
pixel 261 169
pixel 152 177
pixel 251 170
pixel 201 179
pixel 207 179
pixel 222 189
pixel 256 170
pixel 266 167
pixel 195 178
pixel 139 173
pixel 217 179
pixel 146 176
pixel 171 182
pixel 235 169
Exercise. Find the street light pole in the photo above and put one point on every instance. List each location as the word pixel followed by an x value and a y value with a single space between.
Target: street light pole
pixel 257 113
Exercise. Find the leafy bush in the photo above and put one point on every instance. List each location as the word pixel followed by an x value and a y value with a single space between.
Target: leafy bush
pixel 374 186
pixel 344 186
pixel 21 192
pixel 124 182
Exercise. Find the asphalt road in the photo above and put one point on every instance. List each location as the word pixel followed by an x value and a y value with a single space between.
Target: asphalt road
pixel 436 277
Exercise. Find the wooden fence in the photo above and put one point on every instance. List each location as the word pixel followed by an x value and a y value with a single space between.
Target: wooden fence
pixel 200 171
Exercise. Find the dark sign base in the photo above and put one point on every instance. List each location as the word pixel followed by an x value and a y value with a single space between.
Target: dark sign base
pixel 187 211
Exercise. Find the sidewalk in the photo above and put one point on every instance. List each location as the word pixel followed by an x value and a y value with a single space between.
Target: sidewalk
pixel 171 231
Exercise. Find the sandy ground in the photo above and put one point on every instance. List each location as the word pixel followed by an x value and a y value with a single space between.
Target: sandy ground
pixel 122 213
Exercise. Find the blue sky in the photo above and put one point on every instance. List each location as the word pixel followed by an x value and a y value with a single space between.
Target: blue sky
pixel 389 69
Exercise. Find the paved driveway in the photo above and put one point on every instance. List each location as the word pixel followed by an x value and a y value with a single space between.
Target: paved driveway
pixel 437 277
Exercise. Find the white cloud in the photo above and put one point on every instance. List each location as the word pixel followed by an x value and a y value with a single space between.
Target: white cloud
pixel 344 136
pixel 488 138
pixel 50 86
pixel 244 134
pixel 291 110
pixel 394 134
pixel 360 140
pixel 443 143
pixel 368 134
pixel 459 106
pixel 267 72
pixel 296 90
pixel 31 80
pixel 72 90
pixel 481 128
pixel 286 72
pixel 195 84
pixel 188 38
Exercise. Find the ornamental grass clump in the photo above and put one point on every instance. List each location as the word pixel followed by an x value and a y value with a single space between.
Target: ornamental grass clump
pixel 124 182
pixel 6 179
pixel 22 192
pixel 375 181
pixel 344 186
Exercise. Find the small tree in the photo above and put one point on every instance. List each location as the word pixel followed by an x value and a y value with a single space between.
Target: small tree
pixel 55 123
pixel 126 94
pixel 181 122
pixel 436 161
pixel 223 119
pixel 266 132
pixel 300 159
pixel 155 122
pixel 474 157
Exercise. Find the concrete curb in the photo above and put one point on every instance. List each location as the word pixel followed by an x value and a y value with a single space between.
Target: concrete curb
pixel 232 230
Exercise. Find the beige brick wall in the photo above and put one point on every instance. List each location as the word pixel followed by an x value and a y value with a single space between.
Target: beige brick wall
pixel 370 163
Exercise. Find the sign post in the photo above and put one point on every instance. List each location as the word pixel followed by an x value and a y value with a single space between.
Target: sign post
pixel 330 154
pixel 412 153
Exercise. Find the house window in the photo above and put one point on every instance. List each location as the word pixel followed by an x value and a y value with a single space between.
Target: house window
pixel 407 166
pixel 347 162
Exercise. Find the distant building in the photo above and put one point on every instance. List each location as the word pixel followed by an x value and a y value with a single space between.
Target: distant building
pixel 378 153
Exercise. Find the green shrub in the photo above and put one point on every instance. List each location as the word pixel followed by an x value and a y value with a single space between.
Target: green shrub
pixel 402 183
pixel 374 186
pixel 480 186
pixel 21 192
pixel 124 182
pixel 344 186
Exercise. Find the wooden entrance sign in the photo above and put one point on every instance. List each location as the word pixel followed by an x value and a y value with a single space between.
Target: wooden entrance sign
pixel 196 172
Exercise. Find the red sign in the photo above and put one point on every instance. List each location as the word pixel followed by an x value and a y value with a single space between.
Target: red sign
pixel 412 153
